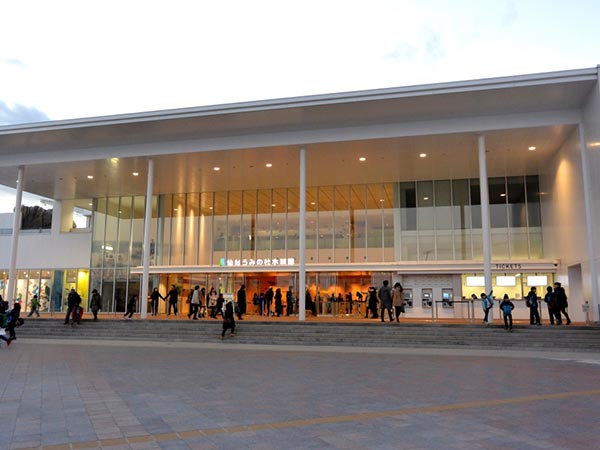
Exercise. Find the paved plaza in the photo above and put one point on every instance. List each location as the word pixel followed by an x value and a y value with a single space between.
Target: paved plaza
pixel 132 395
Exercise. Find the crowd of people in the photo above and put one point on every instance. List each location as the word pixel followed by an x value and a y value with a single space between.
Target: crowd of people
pixel 378 303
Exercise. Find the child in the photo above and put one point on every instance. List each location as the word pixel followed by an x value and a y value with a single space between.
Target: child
pixel 506 307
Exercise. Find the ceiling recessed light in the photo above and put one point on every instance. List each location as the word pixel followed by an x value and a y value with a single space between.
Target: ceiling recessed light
pixel 425 198
pixel 312 203
pixel 503 195
pixel 269 165
pixel 531 148
pixel 422 155
pixel 216 169
pixel 362 159
pixel 90 177
pixel 135 174
pixel 91 204
pixel 273 205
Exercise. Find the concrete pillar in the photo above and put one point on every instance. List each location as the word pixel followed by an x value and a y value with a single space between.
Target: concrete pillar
pixel 302 237
pixel 585 169
pixel 14 243
pixel 146 256
pixel 485 216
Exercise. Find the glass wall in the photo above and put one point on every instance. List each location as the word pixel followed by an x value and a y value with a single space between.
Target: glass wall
pixel 429 220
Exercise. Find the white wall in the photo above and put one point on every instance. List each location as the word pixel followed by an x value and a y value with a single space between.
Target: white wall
pixel 591 125
pixel 48 251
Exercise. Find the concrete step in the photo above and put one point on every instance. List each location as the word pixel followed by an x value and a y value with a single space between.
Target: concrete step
pixel 364 334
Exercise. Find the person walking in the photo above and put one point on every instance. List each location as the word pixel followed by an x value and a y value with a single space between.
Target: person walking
pixel 154 296
pixel 35 305
pixel 486 304
pixel 194 303
pixel 385 297
pixel 241 301
pixel 130 307
pixel 531 301
pixel 506 306
pixel 73 301
pixel 95 303
pixel 398 300
pixel 15 320
pixel 561 302
pixel 172 300
pixel 228 319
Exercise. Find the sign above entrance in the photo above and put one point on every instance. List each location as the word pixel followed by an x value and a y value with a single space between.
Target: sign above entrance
pixel 251 262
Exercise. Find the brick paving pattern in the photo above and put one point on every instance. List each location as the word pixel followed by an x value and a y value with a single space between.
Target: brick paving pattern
pixel 56 396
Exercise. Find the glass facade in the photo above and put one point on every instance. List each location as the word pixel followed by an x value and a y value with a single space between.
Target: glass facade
pixel 437 220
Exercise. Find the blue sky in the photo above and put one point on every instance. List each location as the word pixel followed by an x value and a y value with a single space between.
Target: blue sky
pixel 71 59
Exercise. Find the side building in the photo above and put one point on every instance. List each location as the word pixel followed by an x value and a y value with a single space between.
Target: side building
pixel 451 189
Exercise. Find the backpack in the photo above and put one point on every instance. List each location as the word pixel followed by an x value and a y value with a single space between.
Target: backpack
pixel 528 303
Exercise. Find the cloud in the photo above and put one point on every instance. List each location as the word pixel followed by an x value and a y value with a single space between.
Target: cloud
pixel 20 114
pixel 434 49
pixel 12 62
pixel 403 52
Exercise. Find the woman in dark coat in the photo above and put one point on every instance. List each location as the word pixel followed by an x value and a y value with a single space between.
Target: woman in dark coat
pixel 278 302
pixel 372 303
pixel 228 319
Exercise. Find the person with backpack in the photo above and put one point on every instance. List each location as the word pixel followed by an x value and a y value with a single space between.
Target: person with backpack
pixel 506 306
pixel 550 300
pixel 487 303
pixel 531 301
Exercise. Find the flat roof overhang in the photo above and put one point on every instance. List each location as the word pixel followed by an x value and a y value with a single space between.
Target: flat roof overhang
pixel 443 118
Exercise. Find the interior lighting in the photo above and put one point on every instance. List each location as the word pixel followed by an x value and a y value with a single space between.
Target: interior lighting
pixel 362 159
pixel 502 195
pixel 532 148
pixel 425 198
pixel 135 174
pixel 216 169
pixel 273 205
pixel 90 177
pixel 269 165
pixel 422 155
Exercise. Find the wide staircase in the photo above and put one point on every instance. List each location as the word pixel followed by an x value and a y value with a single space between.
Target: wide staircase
pixel 371 334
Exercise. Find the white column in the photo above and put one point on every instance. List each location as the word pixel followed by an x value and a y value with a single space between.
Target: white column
pixel 485 216
pixel 146 258
pixel 302 243
pixel 589 222
pixel 14 243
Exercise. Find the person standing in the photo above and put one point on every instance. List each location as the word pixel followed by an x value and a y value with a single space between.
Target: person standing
pixel 278 302
pixel 194 303
pixel 269 300
pixel 241 301
pixel 220 304
pixel 561 302
pixel 289 302
pixel 173 299
pixel 486 304
pixel 154 296
pixel 73 301
pixel 130 307
pixel 212 302
pixel 35 305
pixel 385 297
pixel 531 301
pixel 506 306
pixel 398 300
pixel 95 303
pixel 372 303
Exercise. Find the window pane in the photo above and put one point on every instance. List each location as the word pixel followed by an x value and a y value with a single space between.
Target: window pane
pixel 460 204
